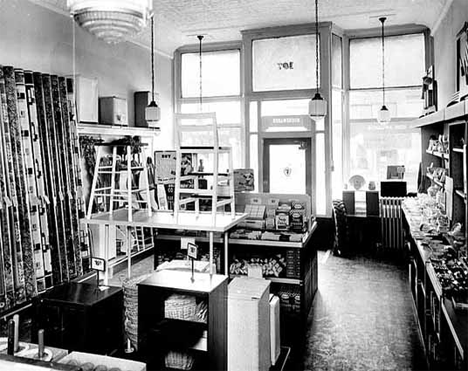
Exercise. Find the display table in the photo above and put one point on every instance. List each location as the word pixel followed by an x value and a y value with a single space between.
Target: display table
pixel 166 220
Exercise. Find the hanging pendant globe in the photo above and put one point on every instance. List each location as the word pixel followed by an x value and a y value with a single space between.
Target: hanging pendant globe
pixel 111 20
pixel 317 107
pixel 383 116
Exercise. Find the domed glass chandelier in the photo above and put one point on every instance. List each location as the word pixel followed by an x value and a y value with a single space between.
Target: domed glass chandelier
pixel 111 20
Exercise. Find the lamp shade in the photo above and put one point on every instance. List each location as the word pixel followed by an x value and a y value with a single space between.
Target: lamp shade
pixel 383 116
pixel 111 20
pixel 317 107
pixel 153 114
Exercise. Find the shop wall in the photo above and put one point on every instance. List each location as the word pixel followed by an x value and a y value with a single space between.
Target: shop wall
pixel 445 50
pixel 36 38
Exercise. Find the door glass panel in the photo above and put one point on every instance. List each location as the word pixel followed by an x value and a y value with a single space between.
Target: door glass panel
pixel 287 169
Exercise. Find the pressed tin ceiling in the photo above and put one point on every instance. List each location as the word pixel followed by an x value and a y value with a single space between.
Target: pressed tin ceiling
pixel 179 21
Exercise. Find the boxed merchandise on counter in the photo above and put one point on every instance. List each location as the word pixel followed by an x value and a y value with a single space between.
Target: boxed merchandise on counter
pixel 275 212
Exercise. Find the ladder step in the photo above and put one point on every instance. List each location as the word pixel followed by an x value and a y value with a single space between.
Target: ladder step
pixel 185 201
pixel 209 174
pixel 118 145
pixel 195 192
pixel 136 190
pixel 224 202
pixel 204 148
pixel 103 189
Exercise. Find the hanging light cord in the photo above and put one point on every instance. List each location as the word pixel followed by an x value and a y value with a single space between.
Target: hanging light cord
pixel 316 46
pixel 383 60
pixel 200 38
pixel 152 57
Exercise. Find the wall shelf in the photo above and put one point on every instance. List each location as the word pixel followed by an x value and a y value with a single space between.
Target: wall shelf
pixel 115 130
pixel 438 182
pixel 438 154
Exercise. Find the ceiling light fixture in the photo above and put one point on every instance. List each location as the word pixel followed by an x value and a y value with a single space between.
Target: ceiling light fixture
pixel 383 116
pixel 111 20
pixel 317 105
pixel 152 111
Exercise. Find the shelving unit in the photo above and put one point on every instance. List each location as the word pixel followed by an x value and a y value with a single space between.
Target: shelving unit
pixel 452 122
pixel 158 334
pixel 444 330
pixel 300 276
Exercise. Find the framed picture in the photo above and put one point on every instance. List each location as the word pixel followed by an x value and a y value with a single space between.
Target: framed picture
pixel 462 62
pixel 98 264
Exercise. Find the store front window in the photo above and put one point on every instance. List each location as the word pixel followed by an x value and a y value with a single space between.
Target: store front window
pixel 372 147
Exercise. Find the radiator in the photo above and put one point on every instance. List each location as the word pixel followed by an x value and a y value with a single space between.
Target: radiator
pixel 391 216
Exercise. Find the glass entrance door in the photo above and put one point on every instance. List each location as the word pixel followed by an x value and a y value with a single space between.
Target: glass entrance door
pixel 287 165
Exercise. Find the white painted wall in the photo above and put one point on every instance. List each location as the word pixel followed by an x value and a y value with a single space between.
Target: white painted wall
pixel 35 38
pixel 445 53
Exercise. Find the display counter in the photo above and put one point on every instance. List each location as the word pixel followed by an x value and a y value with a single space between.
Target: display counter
pixel 443 326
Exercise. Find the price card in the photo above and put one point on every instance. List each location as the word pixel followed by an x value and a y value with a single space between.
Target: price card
pixel 192 250
pixel 98 264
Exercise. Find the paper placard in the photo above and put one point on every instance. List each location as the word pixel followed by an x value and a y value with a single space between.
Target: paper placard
pixel 184 241
pixel 254 271
pixel 192 250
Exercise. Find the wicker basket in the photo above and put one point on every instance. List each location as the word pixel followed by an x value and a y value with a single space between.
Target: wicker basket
pixel 179 360
pixel 180 307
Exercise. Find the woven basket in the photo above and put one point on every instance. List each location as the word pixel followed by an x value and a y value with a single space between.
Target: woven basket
pixel 179 360
pixel 180 307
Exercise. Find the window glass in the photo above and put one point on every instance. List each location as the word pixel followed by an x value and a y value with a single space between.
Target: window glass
pixel 321 193
pixel 220 73
pixel 337 175
pixel 337 62
pixel 253 116
pixel 401 103
pixel 404 61
pixel 253 159
pixel 230 137
pixel 373 147
pixel 284 63
pixel 226 112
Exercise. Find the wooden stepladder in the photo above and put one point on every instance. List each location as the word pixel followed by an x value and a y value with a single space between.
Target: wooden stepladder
pixel 131 167
pixel 197 135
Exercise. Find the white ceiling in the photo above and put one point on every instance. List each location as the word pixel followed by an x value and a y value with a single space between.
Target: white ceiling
pixel 179 21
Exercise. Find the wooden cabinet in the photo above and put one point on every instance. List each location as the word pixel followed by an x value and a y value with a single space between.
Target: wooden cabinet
pixel 167 337
pixel 81 317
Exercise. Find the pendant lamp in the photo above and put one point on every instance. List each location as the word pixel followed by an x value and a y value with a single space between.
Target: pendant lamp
pixel 152 111
pixel 111 20
pixel 383 116
pixel 317 105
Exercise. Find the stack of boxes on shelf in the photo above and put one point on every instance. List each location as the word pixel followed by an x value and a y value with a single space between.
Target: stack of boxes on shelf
pixel 273 217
